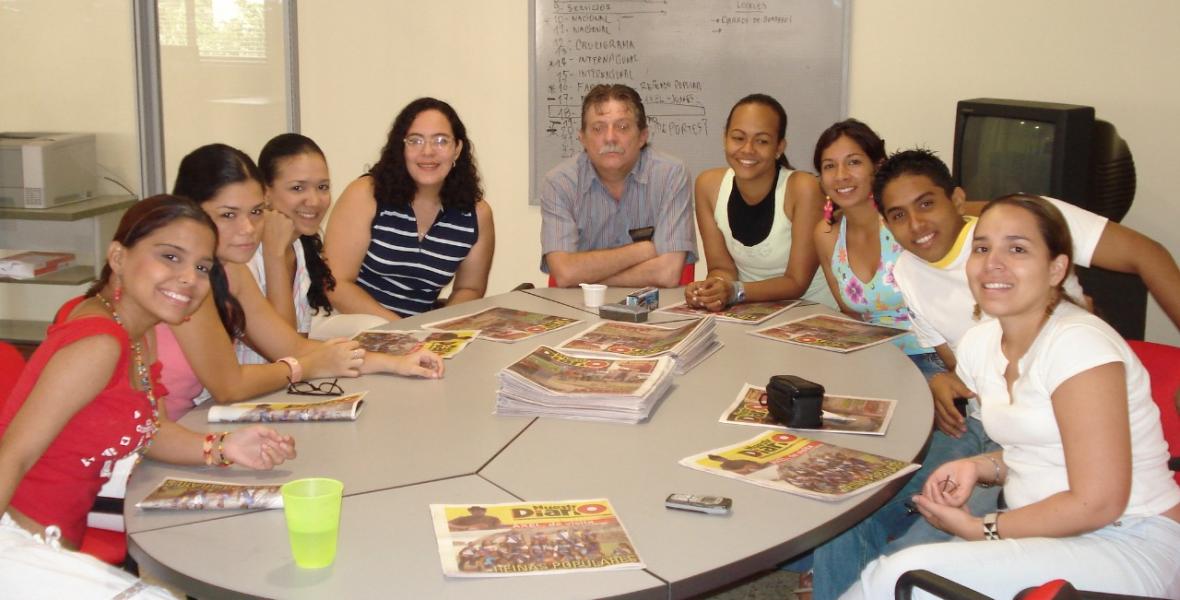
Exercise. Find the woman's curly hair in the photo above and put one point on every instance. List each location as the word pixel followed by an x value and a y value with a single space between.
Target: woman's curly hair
pixel 392 184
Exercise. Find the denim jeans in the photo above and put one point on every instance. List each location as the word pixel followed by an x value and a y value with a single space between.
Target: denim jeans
pixel 837 564
pixel 929 363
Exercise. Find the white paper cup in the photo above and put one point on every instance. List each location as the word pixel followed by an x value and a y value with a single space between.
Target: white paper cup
pixel 593 294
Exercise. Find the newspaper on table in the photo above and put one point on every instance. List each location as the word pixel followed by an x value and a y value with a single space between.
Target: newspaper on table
pixel 790 463
pixel 400 343
pixel 689 344
pixel 531 538
pixel 748 313
pixel 194 494
pixel 548 383
pixel 504 324
pixel 340 408
pixel 841 414
pixel 827 332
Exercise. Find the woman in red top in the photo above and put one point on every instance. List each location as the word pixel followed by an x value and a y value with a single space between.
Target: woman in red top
pixel 87 396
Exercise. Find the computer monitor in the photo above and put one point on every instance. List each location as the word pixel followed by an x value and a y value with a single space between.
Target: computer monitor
pixel 1059 150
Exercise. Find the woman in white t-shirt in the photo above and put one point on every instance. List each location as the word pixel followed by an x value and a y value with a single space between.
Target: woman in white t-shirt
pixel 1084 461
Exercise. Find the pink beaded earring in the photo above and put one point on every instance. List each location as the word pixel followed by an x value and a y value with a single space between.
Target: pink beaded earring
pixel 828 209
pixel 118 293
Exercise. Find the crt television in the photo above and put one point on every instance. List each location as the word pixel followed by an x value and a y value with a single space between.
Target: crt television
pixel 1059 150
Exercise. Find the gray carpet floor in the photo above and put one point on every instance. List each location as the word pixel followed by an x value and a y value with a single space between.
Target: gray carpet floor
pixel 775 585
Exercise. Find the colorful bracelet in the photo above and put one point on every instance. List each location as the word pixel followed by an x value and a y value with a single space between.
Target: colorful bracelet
pixel 222 461
pixel 207 448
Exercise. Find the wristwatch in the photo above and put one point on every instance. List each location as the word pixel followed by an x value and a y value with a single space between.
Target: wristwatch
pixel 991 526
pixel 739 293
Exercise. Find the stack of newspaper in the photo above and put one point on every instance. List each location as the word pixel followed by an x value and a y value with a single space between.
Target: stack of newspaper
pixel 547 383
pixel 688 344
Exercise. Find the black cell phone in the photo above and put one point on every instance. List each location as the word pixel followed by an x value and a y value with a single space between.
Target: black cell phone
pixel 961 406
pixel 641 234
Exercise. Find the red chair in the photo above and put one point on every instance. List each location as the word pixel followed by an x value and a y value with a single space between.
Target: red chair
pixel 1163 364
pixel 12 362
pixel 687 276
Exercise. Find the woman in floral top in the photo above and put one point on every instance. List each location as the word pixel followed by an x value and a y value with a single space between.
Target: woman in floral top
pixel 862 251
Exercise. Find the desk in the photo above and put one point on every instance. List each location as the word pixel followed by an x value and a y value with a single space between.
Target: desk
pixel 420 442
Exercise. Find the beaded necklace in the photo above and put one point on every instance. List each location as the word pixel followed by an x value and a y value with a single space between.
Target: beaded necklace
pixel 141 372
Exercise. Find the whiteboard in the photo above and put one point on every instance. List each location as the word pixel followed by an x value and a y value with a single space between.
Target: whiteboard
pixel 690 61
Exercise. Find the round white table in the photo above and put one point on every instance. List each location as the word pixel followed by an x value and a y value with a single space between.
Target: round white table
pixel 419 442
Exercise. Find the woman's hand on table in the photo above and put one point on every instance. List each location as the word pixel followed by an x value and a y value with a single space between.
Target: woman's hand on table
pixel 337 357
pixel 710 294
pixel 258 447
pixel 421 363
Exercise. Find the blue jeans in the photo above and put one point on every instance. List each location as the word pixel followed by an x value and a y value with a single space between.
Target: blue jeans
pixel 838 563
pixel 929 363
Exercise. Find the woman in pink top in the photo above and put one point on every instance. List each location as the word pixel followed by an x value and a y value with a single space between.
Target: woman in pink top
pixel 229 187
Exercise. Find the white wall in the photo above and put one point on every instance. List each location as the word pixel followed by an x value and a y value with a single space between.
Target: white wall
pixel 361 61
pixel 70 67
pixel 911 60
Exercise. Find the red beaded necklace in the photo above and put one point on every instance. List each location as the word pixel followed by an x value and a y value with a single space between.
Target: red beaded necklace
pixel 141 372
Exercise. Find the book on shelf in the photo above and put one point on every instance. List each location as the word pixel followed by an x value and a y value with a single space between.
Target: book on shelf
pixel 341 408
pixel 194 494
pixel 531 538
pixel 400 343
pixel 826 332
pixel 840 414
pixel 791 463
pixel 747 313
pixel 501 324
pixel 688 344
pixel 18 264
pixel 548 383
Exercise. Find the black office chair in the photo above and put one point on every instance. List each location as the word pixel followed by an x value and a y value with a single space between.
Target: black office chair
pixel 949 590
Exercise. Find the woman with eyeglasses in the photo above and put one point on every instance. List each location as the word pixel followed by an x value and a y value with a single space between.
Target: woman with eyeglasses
pixel 206 352
pixel 417 220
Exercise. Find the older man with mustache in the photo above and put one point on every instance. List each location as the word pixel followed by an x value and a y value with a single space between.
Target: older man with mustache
pixel 618 212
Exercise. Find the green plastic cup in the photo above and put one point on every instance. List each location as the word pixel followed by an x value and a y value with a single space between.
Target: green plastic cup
pixel 312 508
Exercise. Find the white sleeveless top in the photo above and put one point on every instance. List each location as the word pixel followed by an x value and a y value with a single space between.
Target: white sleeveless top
pixel 768 258
pixel 303 311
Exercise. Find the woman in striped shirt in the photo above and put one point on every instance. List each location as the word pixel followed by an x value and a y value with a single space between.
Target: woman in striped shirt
pixel 402 232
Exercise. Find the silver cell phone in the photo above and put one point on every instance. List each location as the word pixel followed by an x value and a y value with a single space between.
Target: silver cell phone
pixel 714 505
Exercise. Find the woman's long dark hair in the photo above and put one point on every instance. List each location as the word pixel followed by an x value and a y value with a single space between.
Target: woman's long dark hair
pixel 145 217
pixel 772 104
pixel 202 174
pixel 392 184
pixel 278 149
